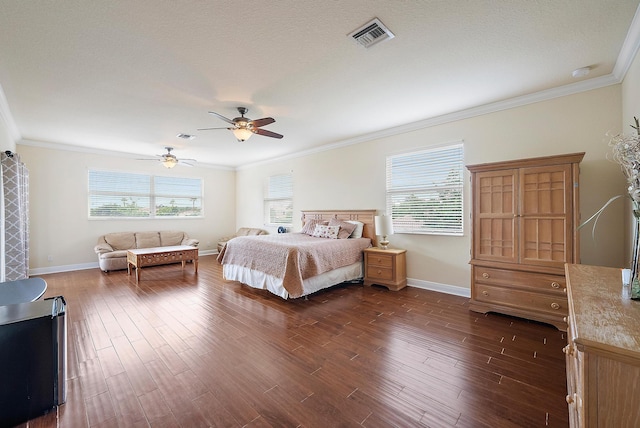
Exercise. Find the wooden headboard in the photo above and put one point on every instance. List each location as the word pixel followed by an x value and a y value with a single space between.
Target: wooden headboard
pixel 364 216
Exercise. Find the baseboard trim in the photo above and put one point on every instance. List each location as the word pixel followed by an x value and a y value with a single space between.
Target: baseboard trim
pixel 441 288
pixel 63 268
pixel 94 265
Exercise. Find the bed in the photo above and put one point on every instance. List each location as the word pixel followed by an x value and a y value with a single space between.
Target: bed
pixel 292 265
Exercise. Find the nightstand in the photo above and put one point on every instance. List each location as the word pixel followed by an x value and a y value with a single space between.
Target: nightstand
pixel 385 267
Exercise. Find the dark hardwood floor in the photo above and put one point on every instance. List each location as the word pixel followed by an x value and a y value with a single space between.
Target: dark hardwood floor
pixel 189 351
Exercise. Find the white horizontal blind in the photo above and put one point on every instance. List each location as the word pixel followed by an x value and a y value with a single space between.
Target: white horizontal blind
pixel 424 191
pixel 278 201
pixel 177 197
pixel 128 195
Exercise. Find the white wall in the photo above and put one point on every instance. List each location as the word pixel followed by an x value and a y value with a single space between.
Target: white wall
pixel 353 177
pixel 6 140
pixel 630 109
pixel 59 223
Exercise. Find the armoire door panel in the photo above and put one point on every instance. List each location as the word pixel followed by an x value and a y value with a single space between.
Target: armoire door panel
pixel 496 193
pixel 545 242
pixel 545 190
pixel 496 240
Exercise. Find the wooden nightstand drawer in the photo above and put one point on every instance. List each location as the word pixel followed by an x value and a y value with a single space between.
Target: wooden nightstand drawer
pixel 381 260
pixel 375 272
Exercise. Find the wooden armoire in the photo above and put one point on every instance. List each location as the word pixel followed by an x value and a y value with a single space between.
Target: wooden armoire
pixel 524 218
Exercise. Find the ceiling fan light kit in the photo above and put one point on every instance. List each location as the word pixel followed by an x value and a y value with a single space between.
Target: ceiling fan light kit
pixel 243 127
pixel 169 160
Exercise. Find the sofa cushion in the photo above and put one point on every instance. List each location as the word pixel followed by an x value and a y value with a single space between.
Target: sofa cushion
pixel 121 240
pixel 171 238
pixel 147 239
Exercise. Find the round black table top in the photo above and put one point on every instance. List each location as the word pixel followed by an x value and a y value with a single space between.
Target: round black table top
pixel 21 291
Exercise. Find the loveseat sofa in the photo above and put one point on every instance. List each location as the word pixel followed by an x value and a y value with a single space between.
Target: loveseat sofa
pixel 112 247
pixel 243 231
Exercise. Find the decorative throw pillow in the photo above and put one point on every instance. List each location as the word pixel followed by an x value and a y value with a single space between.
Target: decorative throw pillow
pixel 310 225
pixel 357 232
pixel 323 231
pixel 345 228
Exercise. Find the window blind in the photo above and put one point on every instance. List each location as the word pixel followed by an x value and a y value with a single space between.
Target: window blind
pixel 129 195
pixel 424 190
pixel 278 201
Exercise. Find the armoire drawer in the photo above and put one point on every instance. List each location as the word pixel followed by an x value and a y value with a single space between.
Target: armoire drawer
pixel 541 281
pixel 521 299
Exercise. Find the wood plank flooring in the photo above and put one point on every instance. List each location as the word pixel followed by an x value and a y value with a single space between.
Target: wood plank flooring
pixel 181 350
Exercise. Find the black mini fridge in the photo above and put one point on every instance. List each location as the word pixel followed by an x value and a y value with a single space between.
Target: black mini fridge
pixel 33 343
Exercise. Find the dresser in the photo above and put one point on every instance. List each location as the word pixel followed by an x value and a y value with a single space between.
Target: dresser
pixel 524 217
pixel 603 349
pixel 385 267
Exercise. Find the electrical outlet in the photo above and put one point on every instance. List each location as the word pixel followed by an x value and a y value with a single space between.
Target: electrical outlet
pixel 50 258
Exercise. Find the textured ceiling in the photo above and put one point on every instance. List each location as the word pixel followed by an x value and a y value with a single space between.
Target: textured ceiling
pixel 128 76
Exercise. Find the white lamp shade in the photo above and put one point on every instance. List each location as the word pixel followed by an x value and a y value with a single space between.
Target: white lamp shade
pixel 169 162
pixel 384 225
pixel 242 134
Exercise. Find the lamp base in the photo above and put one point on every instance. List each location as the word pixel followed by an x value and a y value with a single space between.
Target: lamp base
pixel 384 244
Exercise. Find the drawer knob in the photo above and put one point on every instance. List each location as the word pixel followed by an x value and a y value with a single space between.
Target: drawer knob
pixel 555 285
pixel 554 305
pixel 485 275
pixel 379 272
pixel 379 260
pixel 570 398
pixel 565 320
pixel 485 293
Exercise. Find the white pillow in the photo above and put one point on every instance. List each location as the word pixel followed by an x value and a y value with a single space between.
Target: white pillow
pixel 357 232
pixel 322 231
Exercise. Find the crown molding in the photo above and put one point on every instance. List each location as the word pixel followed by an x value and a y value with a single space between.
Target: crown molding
pixel 629 48
pixel 102 152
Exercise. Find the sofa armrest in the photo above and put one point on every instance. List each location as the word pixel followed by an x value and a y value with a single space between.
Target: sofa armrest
pixel 191 242
pixel 103 248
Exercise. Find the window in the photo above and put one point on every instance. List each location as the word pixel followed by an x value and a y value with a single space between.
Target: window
pixel 278 202
pixel 127 195
pixel 424 191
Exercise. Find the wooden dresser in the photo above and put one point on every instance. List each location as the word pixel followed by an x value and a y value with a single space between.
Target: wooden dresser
pixel 603 350
pixel 524 218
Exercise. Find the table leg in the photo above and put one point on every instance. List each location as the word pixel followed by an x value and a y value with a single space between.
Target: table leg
pixel 195 265
pixel 137 274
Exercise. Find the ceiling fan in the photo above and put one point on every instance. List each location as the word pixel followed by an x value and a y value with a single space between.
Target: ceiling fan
pixel 243 127
pixel 169 160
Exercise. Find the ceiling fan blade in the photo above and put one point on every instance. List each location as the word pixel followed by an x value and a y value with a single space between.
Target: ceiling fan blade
pixel 262 122
pixel 209 129
pixel 266 133
pixel 185 163
pixel 221 117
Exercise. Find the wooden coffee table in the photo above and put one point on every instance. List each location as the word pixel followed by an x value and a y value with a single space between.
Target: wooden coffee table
pixel 142 257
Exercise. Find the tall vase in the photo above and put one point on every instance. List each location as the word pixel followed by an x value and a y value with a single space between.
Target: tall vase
pixel 635 281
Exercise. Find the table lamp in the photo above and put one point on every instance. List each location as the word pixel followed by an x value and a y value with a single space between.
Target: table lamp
pixel 384 228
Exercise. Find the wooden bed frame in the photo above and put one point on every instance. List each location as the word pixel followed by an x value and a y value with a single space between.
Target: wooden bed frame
pixel 364 216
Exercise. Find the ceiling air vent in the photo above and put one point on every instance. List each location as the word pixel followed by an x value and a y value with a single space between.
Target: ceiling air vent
pixel 371 33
